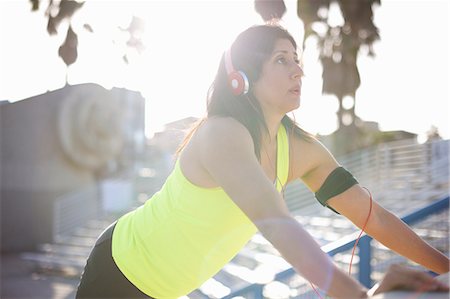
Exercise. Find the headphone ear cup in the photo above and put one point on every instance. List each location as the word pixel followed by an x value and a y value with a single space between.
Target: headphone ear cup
pixel 238 82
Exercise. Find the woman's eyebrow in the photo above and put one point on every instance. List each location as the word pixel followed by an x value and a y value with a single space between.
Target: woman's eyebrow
pixel 284 52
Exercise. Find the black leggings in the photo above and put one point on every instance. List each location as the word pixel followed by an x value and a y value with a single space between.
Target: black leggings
pixel 101 277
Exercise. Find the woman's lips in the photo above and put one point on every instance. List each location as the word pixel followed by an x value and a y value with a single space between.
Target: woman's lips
pixel 295 91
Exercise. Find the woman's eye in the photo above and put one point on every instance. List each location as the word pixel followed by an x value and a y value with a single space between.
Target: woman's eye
pixel 281 60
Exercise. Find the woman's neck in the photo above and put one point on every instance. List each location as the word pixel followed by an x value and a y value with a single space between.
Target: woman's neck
pixel 273 124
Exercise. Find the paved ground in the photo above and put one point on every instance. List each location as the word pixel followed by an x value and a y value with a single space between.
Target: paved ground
pixel 19 280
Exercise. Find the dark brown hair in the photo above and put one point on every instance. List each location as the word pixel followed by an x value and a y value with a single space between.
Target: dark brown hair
pixel 249 52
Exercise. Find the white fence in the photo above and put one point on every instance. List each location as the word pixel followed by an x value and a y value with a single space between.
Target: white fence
pixel 73 210
pixel 395 172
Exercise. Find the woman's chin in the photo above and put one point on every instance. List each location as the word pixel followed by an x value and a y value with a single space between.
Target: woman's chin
pixel 296 104
pixel 293 108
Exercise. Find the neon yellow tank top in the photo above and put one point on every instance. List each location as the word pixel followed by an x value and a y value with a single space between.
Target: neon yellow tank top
pixel 184 234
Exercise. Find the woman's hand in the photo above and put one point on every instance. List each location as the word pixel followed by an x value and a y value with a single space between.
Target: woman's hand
pixel 400 277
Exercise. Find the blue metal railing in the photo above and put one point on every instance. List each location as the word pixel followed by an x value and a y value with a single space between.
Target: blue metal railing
pixel 347 243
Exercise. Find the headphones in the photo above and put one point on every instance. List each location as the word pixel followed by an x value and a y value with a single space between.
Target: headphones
pixel 237 80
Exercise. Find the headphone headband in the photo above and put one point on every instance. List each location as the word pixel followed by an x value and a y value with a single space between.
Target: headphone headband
pixel 228 63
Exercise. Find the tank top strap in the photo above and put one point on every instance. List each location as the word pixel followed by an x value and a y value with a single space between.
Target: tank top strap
pixel 282 157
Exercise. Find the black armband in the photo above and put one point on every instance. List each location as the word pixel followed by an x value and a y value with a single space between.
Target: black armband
pixel 338 181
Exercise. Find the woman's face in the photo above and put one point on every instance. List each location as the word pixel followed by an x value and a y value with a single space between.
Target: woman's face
pixel 278 88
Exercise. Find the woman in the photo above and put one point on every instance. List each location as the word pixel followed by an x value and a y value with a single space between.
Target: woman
pixel 226 185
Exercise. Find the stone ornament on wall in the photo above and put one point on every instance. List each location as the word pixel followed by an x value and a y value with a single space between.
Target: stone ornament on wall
pixel 90 127
pixel 55 149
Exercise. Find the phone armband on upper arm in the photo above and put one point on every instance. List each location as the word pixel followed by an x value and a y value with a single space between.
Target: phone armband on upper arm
pixel 338 181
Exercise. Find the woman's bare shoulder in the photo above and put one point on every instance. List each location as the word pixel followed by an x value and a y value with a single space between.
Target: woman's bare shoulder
pixel 222 129
pixel 222 122
pixel 218 143
pixel 308 155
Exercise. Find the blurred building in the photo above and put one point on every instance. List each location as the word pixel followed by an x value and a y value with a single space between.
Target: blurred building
pixel 54 149
pixel 173 134
pixel 362 134
pixel 166 142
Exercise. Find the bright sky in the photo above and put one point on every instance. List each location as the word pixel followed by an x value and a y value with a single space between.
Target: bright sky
pixel 405 87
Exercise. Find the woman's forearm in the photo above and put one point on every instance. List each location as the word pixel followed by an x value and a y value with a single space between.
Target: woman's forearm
pixel 396 235
pixel 306 256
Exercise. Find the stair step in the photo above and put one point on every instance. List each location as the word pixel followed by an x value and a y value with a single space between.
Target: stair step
pixel 196 294
pixel 55 262
pixel 60 249
pixel 98 224
pixel 76 241
pixel 214 289
pixel 230 280
pixel 87 232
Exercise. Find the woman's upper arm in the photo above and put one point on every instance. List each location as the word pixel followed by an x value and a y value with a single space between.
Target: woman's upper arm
pixel 351 203
pixel 227 154
pixel 313 163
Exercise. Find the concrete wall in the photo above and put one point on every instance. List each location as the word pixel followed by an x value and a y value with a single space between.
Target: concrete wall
pixel 54 144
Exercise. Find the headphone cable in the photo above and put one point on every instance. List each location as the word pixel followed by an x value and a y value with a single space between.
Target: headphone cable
pixel 356 243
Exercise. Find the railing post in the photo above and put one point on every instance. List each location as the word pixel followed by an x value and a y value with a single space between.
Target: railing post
pixel 365 255
pixel 259 291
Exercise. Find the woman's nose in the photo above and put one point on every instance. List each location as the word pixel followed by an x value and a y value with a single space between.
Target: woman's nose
pixel 297 72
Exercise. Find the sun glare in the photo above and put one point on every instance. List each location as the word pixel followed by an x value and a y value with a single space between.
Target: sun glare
pixel 184 41
pixel 183 45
